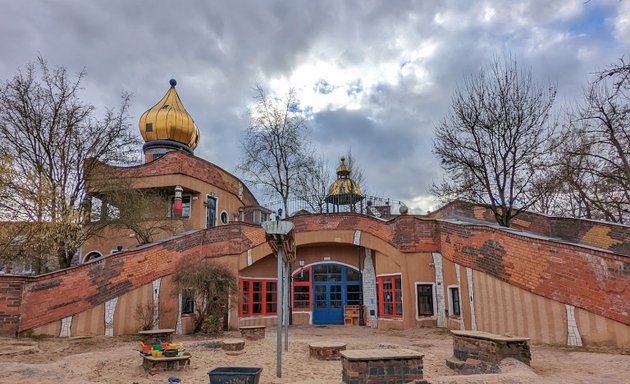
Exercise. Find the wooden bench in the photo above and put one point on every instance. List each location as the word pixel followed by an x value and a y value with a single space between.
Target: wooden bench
pixel 156 364
pixel 361 366
pixel 253 332
pixel 156 336
pixel 326 350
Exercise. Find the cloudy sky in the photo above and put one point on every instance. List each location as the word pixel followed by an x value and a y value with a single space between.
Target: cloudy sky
pixel 377 75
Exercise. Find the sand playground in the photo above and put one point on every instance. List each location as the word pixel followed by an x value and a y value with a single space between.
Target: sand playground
pixel 117 360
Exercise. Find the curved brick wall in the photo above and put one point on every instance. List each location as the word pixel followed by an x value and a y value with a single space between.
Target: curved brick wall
pixel 179 162
pixel 593 280
pixel 608 236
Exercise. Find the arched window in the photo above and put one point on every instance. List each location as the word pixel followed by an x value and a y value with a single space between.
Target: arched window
pixel 92 255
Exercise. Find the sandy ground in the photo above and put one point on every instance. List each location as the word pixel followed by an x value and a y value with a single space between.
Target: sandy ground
pixel 115 359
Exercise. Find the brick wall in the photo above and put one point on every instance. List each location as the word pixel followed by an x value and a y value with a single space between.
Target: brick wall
pixel 64 293
pixel 179 162
pixel 10 297
pixel 609 236
pixel 592 280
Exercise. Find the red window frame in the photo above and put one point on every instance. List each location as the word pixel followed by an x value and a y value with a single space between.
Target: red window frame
pixel 260 302
pixel 308 291
pixel 390 298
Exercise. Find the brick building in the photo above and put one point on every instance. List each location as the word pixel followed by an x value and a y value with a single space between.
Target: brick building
pixel 551 279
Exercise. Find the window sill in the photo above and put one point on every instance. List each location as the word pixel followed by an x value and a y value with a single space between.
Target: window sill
pixel 253 317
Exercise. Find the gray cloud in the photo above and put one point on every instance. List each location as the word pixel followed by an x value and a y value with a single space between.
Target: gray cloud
pixel 399 62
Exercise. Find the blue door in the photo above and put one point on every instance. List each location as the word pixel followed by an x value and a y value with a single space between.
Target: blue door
pixel 334 286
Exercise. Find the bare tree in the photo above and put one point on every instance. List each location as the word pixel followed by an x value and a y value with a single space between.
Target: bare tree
pixel 276 149
pixel 312 185
pixel 21 249
pixel 142 211
pixel 596 157
pixel 356 171
pixel 495 144
pixel 53 142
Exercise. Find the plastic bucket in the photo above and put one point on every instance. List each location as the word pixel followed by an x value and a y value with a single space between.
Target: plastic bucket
pixel 235 375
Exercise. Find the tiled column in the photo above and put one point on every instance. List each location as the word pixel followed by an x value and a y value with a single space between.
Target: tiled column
pixel 110 309
pixel 471 301
pixel 458 273
pixel 369 289
pixel 156 303
pixel 178 327
pixel 66 325
pixel 574 337
pixel 177 202
pixel 439 288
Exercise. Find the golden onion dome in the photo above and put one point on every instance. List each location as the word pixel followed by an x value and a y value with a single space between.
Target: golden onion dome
pixel 169 120
pixel 344 190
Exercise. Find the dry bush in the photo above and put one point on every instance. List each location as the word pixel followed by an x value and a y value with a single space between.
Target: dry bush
pixel 213 285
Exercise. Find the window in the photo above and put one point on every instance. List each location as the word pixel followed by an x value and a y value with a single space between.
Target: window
pixel 27 269
pixel 95 209
pixel 263 217
pixel 302 290
pixel 113 213
pixel 149 127
pixel 259 297
pixel 425 299
pixel 224 217
pixel 453 293
pixel 327 272
pixel 185 206
pixel 157 154
pixel 390 296
pixel 188 301
pixel 211 212
pixel 92 255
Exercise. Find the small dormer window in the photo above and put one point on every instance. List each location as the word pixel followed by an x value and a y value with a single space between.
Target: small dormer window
pixel 149 127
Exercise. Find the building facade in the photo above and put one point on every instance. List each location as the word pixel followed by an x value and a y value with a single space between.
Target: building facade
pixel 450 269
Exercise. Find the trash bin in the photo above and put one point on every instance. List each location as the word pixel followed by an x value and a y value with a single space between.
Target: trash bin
pixel 235 375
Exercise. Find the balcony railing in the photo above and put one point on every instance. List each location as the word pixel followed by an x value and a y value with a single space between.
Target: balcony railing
pixel 375 206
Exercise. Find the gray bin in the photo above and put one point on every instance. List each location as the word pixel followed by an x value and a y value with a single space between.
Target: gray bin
pixel 235 375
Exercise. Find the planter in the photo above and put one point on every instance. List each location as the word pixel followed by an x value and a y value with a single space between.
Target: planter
pixel 235 375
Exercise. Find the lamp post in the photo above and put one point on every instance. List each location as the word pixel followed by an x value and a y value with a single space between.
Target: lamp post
pixel 280 237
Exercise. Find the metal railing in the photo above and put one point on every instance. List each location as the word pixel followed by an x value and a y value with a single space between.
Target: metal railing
pixel 380 207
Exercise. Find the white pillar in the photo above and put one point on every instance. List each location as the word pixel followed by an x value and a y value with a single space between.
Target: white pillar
pixel 439 290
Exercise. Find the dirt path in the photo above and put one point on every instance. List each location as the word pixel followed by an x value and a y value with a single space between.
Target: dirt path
pixel 115 360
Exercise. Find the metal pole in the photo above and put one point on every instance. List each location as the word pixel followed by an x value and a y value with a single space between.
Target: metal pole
pixel 279 306
pixel 286 307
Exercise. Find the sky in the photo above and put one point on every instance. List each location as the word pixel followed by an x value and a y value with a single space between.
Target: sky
pixel 374 76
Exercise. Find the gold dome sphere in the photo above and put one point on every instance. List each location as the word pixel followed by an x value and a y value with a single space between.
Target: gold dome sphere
pixel 169 120
pixel 344 190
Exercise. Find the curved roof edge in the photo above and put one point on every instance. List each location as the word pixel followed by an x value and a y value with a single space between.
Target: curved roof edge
pixel 180 162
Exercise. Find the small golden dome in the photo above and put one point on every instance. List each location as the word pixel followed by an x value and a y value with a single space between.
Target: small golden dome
pixel 344 190
pixel 169 120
